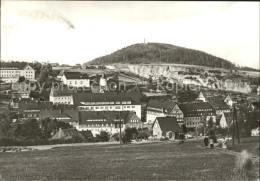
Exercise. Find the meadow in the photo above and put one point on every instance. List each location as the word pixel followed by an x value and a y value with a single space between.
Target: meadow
pixel 150 161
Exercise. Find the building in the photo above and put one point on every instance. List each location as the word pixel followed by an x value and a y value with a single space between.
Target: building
pixel 223 120
pixel 109 121
pixel 165 127
pixel 156 108
pixel 76 79
pixel 220 107
pixel 70 116
pixel 68 134
pixel 61 95
pixel 31 109
pixel 177 112
pixel 201 97
pixel 195 113
pixel 229 101
pixel 108 101
pixel 11 71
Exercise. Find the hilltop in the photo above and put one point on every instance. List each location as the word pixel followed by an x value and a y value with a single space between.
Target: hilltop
pixel 161 53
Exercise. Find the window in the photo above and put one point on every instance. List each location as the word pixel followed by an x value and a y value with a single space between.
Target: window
pixel 133 106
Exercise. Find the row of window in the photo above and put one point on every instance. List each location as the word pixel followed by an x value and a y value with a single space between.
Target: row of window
pixel 105 107
pixel 102 103
pixel 200 114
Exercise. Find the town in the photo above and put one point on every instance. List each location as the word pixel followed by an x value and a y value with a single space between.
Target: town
pixel 102 101
pixel 130 90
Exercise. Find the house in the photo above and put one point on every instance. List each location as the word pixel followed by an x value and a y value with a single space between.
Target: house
pixel 14 102
pixel 109 121
pixel 195 113
pixel 70 116
pixel 108 101
pixel 220 107
pixel 177 112
pixel 165 127
pixel 11 71
pixel 157 108
pixel 61 95
pixel 223 120
pixel 31 109
pixel 76 79
pixel 229 101
pixel 201 97
pixel 71 133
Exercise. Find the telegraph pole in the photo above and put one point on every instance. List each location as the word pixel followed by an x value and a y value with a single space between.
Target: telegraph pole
pixel 233 133
pixel 120 137
pixel 238 140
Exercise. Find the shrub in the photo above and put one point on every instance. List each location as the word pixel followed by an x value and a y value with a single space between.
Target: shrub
pixel 103 136
pixel 244 166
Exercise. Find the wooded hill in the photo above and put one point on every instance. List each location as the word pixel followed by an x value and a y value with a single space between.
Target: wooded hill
pixel 161 53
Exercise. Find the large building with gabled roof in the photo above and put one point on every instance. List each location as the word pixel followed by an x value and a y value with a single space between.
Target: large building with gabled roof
pixel 11 71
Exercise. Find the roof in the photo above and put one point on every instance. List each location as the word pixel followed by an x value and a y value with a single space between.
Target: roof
pixel 63 115
pixel 200 107
pixel 61 91
pixel 34 105
pixel 168 123
pixel 78 98
pixel 166 106
pixel 220 105
pixel 105 117
pixel 13 65
pixel 75 75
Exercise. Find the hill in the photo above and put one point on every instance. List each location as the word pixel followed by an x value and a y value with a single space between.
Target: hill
pixel 161 53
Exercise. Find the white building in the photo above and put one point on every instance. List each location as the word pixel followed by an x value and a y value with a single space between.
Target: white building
pixel 75 79
pixel 108 102
pixel 11 71
pixel 201 97
pixel 109 121
pixel 61 96
pixel 229 101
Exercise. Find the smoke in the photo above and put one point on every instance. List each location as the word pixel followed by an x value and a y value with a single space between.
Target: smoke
pixel 50 16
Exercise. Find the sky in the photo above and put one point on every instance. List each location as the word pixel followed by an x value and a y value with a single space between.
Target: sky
pixel 72 32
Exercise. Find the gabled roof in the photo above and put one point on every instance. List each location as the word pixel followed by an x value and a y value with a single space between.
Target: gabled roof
pixel 62 115
pixel 13 65
pixel 168 123
pixel 35 105
pixel 105 117
pixel 220 105
pixel 105 97
pixel 75 75
pixel 200 107
pixel 166 106
pixel 61 91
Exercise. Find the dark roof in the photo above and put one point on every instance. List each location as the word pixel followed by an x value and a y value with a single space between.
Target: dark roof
pixel 75 75
pixel 166 106
pixel 13 65
pixel 168 123
pixel 61 114
pixel 106 117
pixel 106 97
pixel 200 107
pixel 220 105
pixel 34 105
pixel 61 91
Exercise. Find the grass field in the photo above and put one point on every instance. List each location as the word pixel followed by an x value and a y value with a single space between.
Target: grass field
pixel 150 161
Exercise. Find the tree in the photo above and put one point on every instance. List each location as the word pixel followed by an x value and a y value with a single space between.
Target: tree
pixel 87 135
pixel 5 125
pixel 29 130
pixel 103 136
pixel 21 79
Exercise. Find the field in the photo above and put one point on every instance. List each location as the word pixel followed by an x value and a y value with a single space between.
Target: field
pixel 149 161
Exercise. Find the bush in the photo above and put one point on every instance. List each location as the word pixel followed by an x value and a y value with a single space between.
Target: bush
pixel 244 166
pixel 115 137
pixel 103 136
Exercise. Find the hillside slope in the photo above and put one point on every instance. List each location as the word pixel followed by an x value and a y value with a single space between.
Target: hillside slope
pixel 161 53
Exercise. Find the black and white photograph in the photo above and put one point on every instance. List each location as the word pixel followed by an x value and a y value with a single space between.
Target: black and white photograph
pixel 129 90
